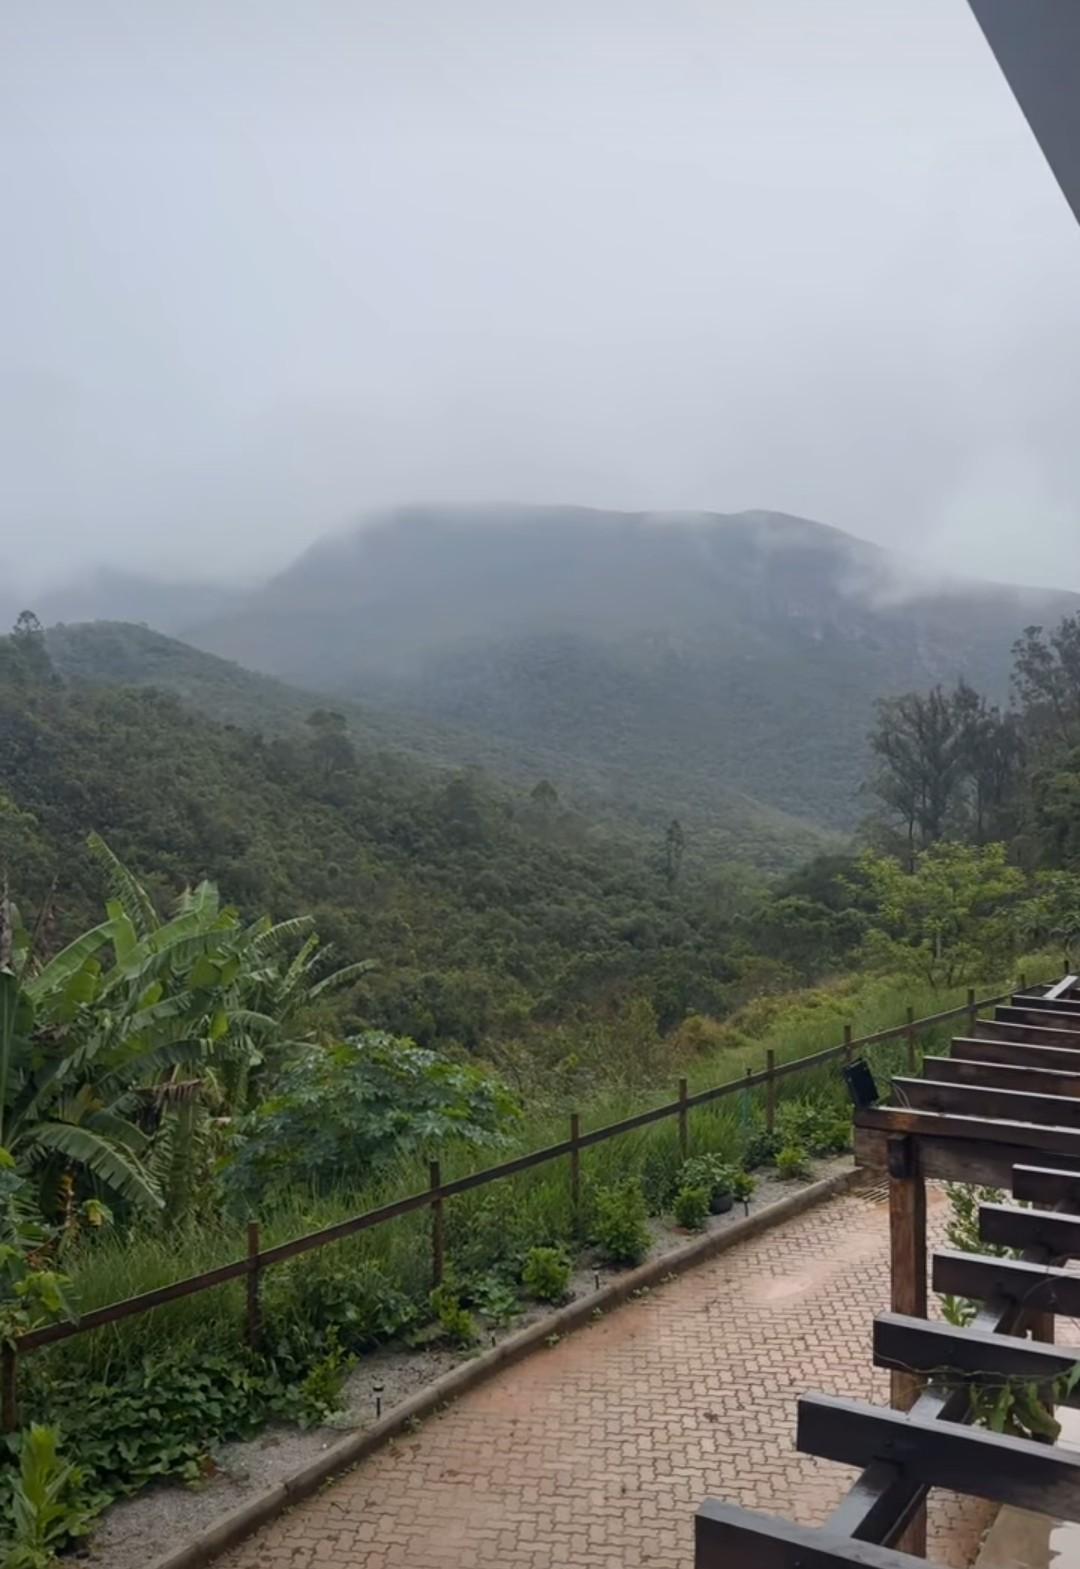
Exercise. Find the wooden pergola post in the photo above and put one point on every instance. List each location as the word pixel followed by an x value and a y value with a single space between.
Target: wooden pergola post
pixel 907 1247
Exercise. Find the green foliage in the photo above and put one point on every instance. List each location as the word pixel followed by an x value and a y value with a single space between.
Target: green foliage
pixel 620 1225
pixel 492 920
pixel 962 1230
pixel 492 1297
pixel 660 1169
pixel 163 1416
pixel 692 1208
pixel 819 1128
pixel 1052 914
pixel 546 1274
pixel 340 1110
pixel 456 1322
pixel 949 920
pixel 45 1505
pixel 743 1185
pixel 333 1297
pixel 761 1149
pixel 1020 1407
pixel 716 1177
pixel 31 1295
pixel 793 1163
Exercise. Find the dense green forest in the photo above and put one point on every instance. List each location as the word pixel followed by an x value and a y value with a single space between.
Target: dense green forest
pixel 277 971
pixel 724 824
pixel 496 916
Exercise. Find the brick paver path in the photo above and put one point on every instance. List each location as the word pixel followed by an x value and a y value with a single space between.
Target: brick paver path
pixel 595 1453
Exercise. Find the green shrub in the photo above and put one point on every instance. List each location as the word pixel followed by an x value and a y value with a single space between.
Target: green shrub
pixel 742 1185
pixel 710 1172
pixel 660 1177
pixel 546 1274
pixel 692 1208
pixel 496 1300
pixel 820 1128
pixel 620 1225
pixel 761 1149
pixel 792 1163
pixel 340 1110
pixel 457 1323
pixel 334 1292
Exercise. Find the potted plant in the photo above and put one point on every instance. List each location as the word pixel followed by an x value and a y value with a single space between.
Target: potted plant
pixel 715 1176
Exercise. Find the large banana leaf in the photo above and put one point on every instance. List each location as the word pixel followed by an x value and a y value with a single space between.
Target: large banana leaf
pixel 117 1170
pixel 125 889
pixel 343 977
pixel 68 962
pixel 271 939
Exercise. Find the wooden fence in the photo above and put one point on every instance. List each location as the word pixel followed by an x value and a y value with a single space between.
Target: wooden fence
pixel 434 1197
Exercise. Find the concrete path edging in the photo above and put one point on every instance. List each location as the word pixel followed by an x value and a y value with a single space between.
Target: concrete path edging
pixel 232 1528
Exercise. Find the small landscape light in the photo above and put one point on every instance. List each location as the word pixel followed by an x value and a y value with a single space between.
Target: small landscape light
pixel 596 1280
pixel 377 1391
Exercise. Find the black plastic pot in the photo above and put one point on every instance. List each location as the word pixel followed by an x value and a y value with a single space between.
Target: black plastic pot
pixel 721 1202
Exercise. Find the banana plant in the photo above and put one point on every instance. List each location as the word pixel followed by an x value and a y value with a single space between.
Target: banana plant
pixel 140 1025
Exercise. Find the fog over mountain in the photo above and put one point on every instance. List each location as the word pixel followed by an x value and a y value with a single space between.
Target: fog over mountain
pixel 264 277
pixel 673 655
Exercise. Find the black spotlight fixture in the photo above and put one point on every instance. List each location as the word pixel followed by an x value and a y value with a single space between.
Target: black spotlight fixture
pixel 860 1084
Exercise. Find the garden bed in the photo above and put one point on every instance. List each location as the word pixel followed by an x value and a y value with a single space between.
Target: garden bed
pixel 160 1520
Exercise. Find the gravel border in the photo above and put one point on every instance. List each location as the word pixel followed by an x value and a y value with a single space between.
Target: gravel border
pixel 233 1527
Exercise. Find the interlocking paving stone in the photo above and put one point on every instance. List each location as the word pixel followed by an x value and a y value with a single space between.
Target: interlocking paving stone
pixel 596 1452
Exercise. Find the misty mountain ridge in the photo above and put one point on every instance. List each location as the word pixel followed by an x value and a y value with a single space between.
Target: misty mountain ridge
pixel 674 653
pixel 108 593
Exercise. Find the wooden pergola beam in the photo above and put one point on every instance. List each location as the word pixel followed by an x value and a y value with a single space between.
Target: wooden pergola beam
pixel 972 1100
pixel 943 1454
pixel 1045 1185
pixel 929 1347
pixel 1000 1075
pixel 1054 1140
pixel 1034 1034
pixel 1056 1058
pixel 727 1537
pixel 1025 1228
pixel 1053 1001
pixel 950 1159
pixel 1058 1019
pixel 981 1276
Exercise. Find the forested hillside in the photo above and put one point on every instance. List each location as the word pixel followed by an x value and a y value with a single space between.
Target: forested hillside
pixel 487 908
pixel 724 826
pixel 673 659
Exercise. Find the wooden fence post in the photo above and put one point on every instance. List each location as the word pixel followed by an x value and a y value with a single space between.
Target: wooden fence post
pixel 907 1245
pixel 9 1393
pixel 847 1042
pixel 438 1236
pixel 254 1305
pixel 973 1012
pixel 770 1091
pixel 911 1038
pixel 575 1170
pixel 684 1122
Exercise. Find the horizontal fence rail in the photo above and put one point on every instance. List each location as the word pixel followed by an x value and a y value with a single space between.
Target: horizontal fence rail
pixel 434 1196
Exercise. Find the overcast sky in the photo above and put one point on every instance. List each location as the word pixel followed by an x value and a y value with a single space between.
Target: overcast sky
pixel 268 263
